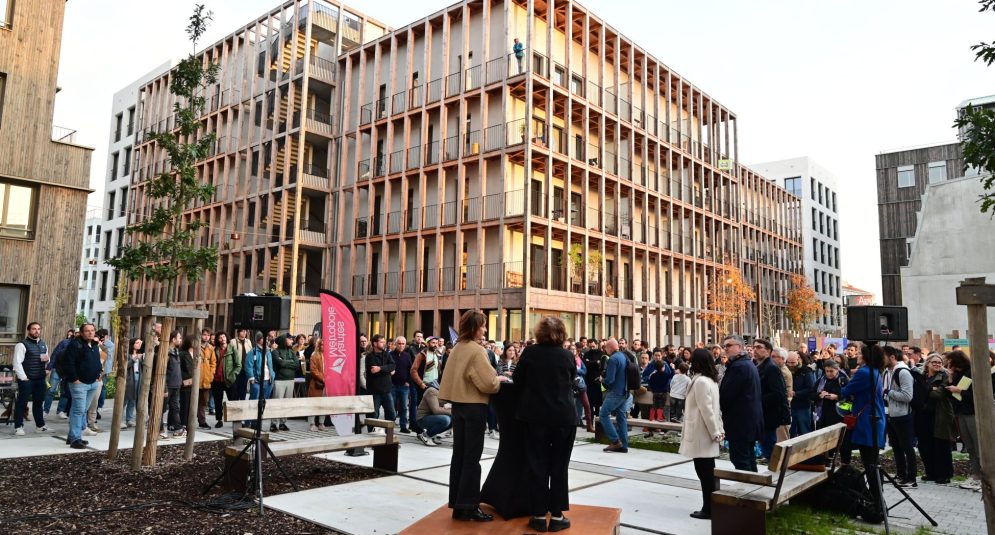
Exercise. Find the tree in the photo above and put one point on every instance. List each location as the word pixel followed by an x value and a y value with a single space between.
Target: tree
pixel 164 247
pixel 803 305
pixel 727 298
pixel 81 319
pixel 977 128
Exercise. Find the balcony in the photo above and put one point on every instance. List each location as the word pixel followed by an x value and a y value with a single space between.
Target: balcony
pixel 315 177
pixel 397 161
pixel 474 78
pixel 434 90
pixel 61 134
pixel 322 69
pixel 399 103
pixel 312 237
pixel 414 157
pixel 320 122
pixel 415 97
pixel 453 84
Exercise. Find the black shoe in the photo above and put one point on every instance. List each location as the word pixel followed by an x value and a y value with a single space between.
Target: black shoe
pixel 272 428
pixel 472 515
pixel 283 427
pixel 559 524
pixel 537 524
pixel 701 516
pixel 98 415
pixel 405 430
pixel 219 425
pixel 942 481
pixel 204 426
pixel 77 445
pixel 615 447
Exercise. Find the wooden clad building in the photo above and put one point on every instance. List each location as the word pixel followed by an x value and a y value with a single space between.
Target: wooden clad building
pixel 44 179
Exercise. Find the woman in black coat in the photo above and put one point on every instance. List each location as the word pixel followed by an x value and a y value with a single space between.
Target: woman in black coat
pixel 545 376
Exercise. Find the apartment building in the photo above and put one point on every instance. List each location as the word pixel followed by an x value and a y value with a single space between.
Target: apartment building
pixel 274 110
pixel 89 270
pixel 44 178
pixel 816 187
pixel 584 179
pixel 772 243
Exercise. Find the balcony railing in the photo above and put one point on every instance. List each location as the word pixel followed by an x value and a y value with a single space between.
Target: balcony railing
pixel 322 69
pixel 432 153
pixel 453 85
pixel 397 161
pixel 450 149
pixel 61 134
pixel 364 170
pixel 415 97
pixel 381 108
pixel 366 114
pixel 474 77
pixel 414 157
pixel 471 145
pixel 379 165
pixel 399 102
pixel 434 90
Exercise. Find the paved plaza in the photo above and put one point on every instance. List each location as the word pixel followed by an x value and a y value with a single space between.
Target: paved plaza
pixel 656 491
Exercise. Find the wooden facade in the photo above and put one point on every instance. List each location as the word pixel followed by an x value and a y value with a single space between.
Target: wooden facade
pixel 898 207
pixel 36 155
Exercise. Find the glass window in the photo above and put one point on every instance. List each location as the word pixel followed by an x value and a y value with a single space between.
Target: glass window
pixel 3 84
pixel 794 185
pixel 811 187
pixel 6 13
pixel 834 202
pixel 906 176
pixel 13 308
pixel 18 205
pixel 937 172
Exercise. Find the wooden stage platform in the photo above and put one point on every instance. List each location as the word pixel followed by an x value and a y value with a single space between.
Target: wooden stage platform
pixel 584 520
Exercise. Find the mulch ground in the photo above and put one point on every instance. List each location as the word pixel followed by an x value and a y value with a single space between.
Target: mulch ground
pixel 64 493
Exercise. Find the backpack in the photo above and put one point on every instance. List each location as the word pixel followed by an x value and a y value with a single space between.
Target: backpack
pixel 845 492
pixel 920 392
pixel 633 378
pixel 60 354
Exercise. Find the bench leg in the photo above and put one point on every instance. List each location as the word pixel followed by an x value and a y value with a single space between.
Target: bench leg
pixel 728 519
pixel 238 472
pixel 385 457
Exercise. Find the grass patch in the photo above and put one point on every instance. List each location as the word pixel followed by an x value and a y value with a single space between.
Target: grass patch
pixel 640 443
pixel 801 519
pixel 959 479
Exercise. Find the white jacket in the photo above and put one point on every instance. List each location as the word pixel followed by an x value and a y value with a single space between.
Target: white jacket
pixel 702 419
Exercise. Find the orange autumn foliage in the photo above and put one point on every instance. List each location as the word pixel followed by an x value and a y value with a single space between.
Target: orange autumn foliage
pixel 803 305
pixel 727 298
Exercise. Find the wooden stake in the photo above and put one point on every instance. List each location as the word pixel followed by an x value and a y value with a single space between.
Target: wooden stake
pixel 142 404
pixel 156 392
pixel 122 367
pixel 194 391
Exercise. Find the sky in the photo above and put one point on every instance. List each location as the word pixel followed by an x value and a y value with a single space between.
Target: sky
pixel 840 80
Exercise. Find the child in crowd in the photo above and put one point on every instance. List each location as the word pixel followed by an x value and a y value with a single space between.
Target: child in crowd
pixel 678 391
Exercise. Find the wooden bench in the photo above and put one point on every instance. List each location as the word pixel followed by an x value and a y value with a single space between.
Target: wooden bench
pixel 743 510
pixel 385 448
pixel 632 423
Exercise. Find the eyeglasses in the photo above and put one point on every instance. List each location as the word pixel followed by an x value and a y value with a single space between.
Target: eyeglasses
pixel 759 346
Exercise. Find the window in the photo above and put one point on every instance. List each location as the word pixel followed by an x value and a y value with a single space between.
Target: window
pixel 127 162
pixel 110 205
pixel 114 160
pixel 811 187
pixel 834 202
pixel 937 172
pixel 18 205
pixel 6 13
pixel 836 235
pixel 124 202
pixel 794 185
pixel 906 176
pixel 3 84
pixel 822 223
pixel 107 245
pixel 103 285
pixel 815 249
pixel 814 217
pixel 816 280
pixel 131 120
pixel 118 119
pixel 13 309
pixel 820 194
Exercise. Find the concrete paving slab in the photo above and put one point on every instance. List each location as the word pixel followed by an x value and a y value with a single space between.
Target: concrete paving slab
pixel 655 508
pixel 635 459
pixel 374 506
pixel 30 446
pixel 410 457
pixel 686 470
pixel 101 441
pixel 576 478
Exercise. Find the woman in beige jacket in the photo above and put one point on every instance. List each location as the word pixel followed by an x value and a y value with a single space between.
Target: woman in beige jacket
pixel 703 430
pixel 468 381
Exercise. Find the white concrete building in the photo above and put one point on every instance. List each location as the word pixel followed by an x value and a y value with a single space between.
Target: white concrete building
pixel 90 259
pixel 816 187
pixel 116 200
pixel 946 249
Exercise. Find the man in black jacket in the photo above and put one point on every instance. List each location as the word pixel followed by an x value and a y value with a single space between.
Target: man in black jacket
pixel 83 370
pixel 774 396
pixel 379 367
pixel 739 399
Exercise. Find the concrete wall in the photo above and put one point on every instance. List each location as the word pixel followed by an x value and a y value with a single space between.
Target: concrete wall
pixel 954 241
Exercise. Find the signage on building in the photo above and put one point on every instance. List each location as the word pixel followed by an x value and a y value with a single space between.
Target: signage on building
pixel 949 343
pixel 725 164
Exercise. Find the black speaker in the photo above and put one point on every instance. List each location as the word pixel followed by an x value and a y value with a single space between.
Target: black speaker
pixel 877 324
pixel 261 312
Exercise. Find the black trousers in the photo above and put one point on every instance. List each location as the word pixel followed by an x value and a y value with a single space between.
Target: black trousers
pixel 900 437
pixel 184 406
pixel 547 453
pixel 742 454
pixel 218 393
pixel 869 457
pixel 469 424
pixel 704 468
pixel 935 452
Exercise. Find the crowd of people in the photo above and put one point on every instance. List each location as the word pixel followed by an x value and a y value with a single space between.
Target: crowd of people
pixel 739 396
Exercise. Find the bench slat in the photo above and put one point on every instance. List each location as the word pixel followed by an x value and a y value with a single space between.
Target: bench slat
pixel 249 433
pixel 373 422
pixel 301 447
pixel 669 426
pixel 796 450
pixel 294 407
pixel 744 476
pixel 760 497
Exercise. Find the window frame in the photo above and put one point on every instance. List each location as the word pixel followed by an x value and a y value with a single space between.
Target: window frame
pixel 906 169
pixel 20 321
pixel 7 16
pixel 942 166
pixel 29 232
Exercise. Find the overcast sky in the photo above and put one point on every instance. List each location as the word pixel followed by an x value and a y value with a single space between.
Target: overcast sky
pixel 838 80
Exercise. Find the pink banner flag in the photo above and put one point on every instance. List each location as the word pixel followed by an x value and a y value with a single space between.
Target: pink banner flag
pixel 339 334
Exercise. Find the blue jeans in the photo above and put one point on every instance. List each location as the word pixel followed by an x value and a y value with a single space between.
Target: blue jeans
pixel 103 392
pixel 617 405
pixel 37 389
pixel 385 400
pixel 801 421
pixel 53 379
pixel 83 393
pixel 129 410
pixel 433 424
pixel 402 399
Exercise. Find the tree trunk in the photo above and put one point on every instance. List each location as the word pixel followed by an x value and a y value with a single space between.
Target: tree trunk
pixel 121 365
pixel 142 403
pixel 156 393
pixel 194 393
